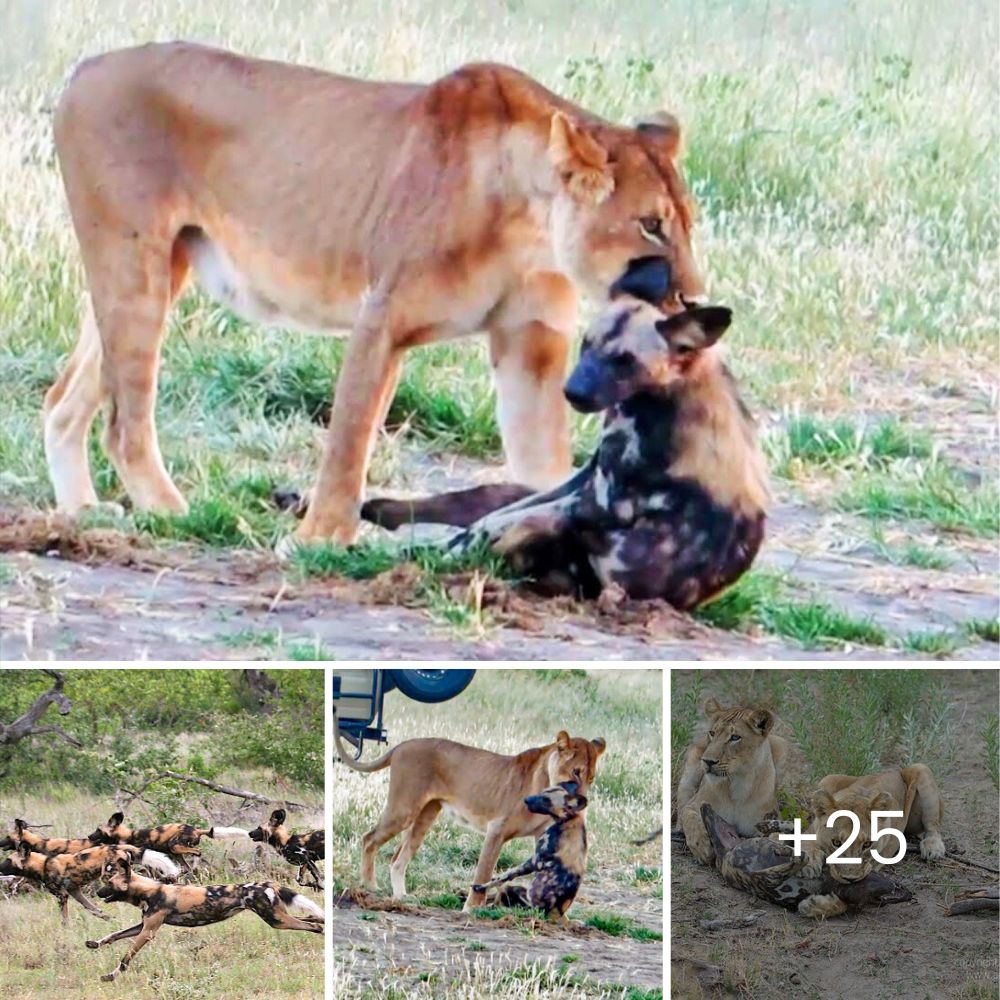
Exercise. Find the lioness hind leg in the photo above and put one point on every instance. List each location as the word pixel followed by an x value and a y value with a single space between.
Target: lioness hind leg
pixel 926 811
pixel 70 406
pixel 410 843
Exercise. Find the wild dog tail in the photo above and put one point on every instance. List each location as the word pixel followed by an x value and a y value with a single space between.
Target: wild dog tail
pixel 297 901
pixel 376 765
pixel 160 863
pixel 227 833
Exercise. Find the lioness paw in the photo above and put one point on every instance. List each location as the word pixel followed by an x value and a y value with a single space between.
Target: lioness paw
pixel 820 907
pixel 932 846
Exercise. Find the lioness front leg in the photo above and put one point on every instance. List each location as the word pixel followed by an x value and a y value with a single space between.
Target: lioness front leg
pixel 696 835
pixel 364 389
pixel 820 906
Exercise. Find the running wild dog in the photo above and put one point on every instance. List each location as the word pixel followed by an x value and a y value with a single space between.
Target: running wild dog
pixel 64 875
pixel 671 506
pixel 560 857
pixel 177 839
pixel 197 906
pixel 22 834
pixel 302 849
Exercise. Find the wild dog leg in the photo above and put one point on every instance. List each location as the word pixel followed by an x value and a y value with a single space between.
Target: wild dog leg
pixel 527 868
pixel 117 936
pixel 88 905
pixel 458 507
pixel 150 926
pixel 495 839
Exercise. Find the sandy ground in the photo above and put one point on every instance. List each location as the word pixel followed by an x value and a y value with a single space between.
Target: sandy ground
pixel 100 595
pixel 412 942
pixel 907 950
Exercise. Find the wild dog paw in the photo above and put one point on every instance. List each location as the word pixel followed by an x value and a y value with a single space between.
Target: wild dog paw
pixel 932 846
pixel 821 906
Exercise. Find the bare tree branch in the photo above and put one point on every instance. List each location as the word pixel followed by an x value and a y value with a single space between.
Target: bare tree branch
pixel 26 725
pixel 239 793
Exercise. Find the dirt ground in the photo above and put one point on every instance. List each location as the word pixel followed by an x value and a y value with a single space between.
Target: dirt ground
pixel 394 940
pixel 907 950
pixel 98 594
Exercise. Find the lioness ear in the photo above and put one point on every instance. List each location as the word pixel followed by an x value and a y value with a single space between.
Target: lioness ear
pixel 662 130
pixel 599 745
pixel 711 708
pixel 883 800
pixel 581 161
pixel 823 803
pixel 762 720
pixel 562 740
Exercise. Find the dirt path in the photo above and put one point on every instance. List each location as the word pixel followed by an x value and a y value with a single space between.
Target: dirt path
pixel 101 595
pixel 397 942
pixel 904 950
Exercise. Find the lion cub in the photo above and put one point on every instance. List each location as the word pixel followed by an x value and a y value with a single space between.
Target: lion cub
pixel 734 768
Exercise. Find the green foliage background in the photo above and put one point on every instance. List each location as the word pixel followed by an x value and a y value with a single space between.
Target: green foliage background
pixel 133 723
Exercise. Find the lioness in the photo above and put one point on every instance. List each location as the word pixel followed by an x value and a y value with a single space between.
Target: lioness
pixel 410 212
pixel 912 791
pixel 735 767
pixel 484 790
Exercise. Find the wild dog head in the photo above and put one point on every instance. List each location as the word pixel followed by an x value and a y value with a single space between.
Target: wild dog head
pixel 574 759
pixel 112 831
pixel 633 347
pixel 562 801
pixel 621 218
pixel 19 862
pixel 117 876
pixel 272 832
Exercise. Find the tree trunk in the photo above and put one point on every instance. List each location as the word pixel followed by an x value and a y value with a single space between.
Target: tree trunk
pixel 27 724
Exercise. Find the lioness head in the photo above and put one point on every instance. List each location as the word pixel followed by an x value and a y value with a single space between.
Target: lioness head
pixel 734 737
pixel 632 347
pixel 574 759
pixel 621 219
pixel 830 838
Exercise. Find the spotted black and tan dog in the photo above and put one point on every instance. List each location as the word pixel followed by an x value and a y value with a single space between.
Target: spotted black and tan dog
pixel 302 849
pixel 65 875
pixel 179 840
pixel 673 503
pixel 23 834
pixel 560 856
pixel 196 906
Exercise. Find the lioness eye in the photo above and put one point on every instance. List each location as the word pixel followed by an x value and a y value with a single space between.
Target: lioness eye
pixel 652 225
pixel 837 842
pixel 735 738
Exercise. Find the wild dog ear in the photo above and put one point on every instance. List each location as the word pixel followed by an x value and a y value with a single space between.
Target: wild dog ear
pixel 580 802
pixel 23 850
pixel 580 160
pixel 599 745
pixel 277 817
pixel 762 720
pixel 123 863
pixel 20 825
pixel 823 803
pixel 569 787
pixel 562 740
pixel 116 819
pixel 695 329
pixel 662 131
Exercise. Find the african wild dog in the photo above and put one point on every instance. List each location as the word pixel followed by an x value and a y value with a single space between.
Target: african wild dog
pixel 302 849
pixel 197 906
pixel 22 834
pixel 178 839
pixel 673 503
pixel 64 875
pixel 560 854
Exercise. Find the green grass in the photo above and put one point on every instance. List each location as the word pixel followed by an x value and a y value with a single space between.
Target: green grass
pixel 909 553
pixel 938 645
pixel 618 926
pixel 930 493
pixel 987 629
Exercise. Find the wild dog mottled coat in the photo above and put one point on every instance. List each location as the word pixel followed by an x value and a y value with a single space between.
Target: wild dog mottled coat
pixel 302 849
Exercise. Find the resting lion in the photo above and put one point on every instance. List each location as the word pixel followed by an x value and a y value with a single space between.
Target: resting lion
pixel 911 790
pixel 734 768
